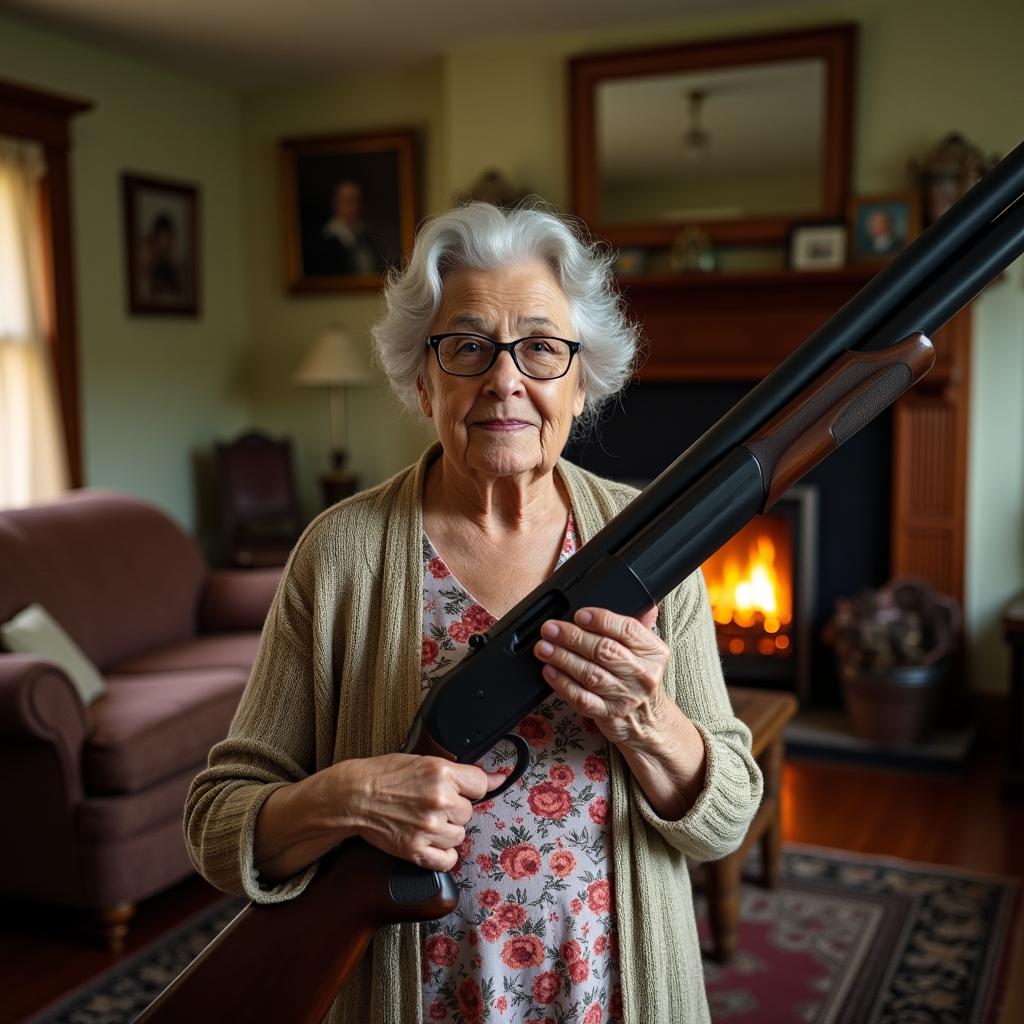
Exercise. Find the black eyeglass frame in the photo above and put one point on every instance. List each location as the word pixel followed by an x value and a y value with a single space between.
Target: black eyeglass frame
pixel 434 342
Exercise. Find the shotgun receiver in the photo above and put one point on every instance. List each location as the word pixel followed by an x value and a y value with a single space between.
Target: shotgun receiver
pixel 288 961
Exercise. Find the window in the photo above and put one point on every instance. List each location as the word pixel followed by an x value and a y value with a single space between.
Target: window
pixel 33 462
pixel 37 320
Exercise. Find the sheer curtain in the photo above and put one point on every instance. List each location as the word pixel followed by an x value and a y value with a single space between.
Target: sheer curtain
pixel 33 463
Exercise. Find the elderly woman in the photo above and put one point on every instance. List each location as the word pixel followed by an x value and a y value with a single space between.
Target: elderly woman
pixel 575 901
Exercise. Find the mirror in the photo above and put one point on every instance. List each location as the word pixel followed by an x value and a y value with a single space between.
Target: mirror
pixel 741 137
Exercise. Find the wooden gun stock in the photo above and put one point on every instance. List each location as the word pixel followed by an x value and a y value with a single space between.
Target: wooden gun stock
pixel 286 962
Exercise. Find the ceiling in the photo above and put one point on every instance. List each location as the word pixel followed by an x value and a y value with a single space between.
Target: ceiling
pixel 256 45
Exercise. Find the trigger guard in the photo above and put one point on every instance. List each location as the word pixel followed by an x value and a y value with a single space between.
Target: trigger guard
pixel 522 763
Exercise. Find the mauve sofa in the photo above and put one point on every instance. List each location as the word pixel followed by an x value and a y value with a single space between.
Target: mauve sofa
pixel 93 796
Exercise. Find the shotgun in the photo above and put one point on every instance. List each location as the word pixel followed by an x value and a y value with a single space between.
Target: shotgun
pixel 288 961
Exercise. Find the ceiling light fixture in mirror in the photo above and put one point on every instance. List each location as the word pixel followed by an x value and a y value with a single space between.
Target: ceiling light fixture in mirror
pixel 743 137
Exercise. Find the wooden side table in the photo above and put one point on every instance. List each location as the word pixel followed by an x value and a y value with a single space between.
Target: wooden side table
pixel 1013 633
pixel 765 713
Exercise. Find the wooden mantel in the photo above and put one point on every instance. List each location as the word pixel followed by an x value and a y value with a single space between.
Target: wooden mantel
pixel 739 326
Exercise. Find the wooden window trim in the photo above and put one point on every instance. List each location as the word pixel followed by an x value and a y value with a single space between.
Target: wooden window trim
pixel 46 118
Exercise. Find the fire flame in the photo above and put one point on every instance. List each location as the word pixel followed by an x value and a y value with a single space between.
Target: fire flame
pixel 746 587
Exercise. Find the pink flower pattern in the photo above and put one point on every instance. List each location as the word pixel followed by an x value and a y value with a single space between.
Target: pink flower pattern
pixel 533 936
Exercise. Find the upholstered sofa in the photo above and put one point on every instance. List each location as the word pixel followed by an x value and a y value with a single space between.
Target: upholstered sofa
pixel 92 797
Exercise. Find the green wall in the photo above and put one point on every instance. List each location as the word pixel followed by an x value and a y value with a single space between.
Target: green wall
pixel 283 326
pixel 154 390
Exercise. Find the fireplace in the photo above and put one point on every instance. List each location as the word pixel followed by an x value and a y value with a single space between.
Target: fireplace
pixel 761 585
pixel 891 501
pixel 830 531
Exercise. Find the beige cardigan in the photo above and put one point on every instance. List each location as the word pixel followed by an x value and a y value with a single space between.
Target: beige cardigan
pixel 338 676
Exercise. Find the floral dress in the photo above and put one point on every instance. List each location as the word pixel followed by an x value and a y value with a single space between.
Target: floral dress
pixel 533 937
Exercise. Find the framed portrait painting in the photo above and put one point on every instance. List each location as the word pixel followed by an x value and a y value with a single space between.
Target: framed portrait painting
pixel 349 204
pixel 161 220
pixel 880 226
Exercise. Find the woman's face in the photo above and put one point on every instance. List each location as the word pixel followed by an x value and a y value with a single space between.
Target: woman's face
pixel 502 423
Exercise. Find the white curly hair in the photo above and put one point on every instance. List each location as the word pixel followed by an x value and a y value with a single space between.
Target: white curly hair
pixel 484 237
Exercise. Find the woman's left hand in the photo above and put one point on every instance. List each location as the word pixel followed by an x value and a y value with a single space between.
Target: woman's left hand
pixel 609 668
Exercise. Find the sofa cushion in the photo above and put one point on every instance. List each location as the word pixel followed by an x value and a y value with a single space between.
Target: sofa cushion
pixel 224 650
pixel 108 819
pixel 35 631
pixel 119 575
pixel 237 600
pixel 152 725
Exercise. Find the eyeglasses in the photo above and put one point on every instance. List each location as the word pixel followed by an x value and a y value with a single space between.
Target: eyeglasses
pixel 468 355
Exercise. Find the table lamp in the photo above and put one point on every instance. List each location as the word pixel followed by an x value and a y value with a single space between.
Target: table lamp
pixel 334 361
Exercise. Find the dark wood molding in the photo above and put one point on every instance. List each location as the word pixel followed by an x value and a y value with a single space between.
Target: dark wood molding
pixel 739 327
pixel 732 326
pixel 46 118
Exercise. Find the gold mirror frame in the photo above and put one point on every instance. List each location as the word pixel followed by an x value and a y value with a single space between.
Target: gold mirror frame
pixel 835 44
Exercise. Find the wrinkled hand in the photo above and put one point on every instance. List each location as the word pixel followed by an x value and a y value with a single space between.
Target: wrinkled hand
pixel 609 668
pixel 416 807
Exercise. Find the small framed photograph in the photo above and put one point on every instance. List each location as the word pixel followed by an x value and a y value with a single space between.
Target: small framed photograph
pixel 880 226
pixel 161 220
pixel 350 208
pixel 817 246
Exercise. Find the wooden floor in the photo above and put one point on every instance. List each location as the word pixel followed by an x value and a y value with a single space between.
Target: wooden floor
pixel 961 821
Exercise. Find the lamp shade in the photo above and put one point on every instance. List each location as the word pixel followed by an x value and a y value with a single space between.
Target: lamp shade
pixel 333 359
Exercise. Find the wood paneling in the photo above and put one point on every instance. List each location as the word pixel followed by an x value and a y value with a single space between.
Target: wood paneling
pixel 927 427
pixel 732 326
pixel 929 508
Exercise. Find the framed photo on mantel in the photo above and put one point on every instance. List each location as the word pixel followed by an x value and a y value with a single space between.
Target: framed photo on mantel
pixel 881 226
pixel 816 246
pixel 349 206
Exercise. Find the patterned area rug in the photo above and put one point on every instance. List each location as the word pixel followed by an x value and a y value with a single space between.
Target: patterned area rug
pixel 850 939
pixel 846 939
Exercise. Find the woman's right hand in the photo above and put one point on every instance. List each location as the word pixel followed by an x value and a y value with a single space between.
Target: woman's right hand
pixel 413 806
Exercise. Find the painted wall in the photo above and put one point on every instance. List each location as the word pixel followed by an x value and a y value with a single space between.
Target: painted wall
pixel 154 390
pixel 282 326
pixel 925 68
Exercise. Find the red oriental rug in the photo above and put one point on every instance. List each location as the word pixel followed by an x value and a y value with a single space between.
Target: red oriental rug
pixel 850 938
pixel 846 939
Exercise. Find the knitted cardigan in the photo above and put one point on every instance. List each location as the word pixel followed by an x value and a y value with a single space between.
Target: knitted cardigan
pixel 337 676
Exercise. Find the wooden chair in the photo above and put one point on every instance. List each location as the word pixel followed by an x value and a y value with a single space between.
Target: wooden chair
pixel 259 505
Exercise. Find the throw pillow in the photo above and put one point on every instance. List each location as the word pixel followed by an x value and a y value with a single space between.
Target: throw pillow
pixel 34 631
